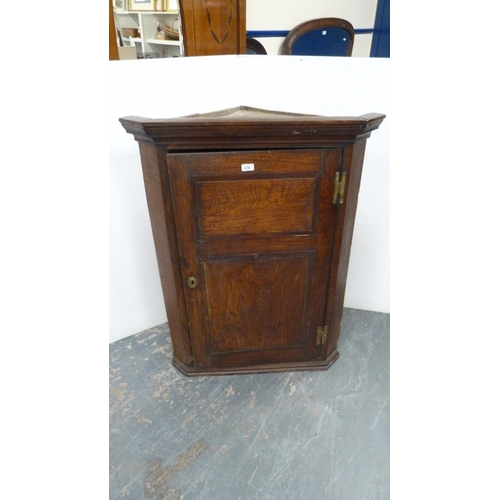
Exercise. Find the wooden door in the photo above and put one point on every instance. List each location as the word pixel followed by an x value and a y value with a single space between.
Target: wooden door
pixel 254 229
pixel 213 28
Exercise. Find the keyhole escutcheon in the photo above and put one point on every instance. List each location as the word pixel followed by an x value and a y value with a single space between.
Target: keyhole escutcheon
pixel 192 282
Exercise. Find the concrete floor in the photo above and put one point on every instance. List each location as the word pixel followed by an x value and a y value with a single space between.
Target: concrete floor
pixel 283 436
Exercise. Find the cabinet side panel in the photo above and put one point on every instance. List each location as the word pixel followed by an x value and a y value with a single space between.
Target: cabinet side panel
pixel 353 165
pixel 160 213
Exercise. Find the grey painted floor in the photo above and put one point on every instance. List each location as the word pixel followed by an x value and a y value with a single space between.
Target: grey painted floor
pixel 283 436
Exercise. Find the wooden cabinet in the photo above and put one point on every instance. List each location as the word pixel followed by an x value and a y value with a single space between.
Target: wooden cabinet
pixel 252 214
pixel 215 27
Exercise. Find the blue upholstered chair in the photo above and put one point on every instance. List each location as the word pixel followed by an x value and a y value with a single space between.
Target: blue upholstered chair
pixel 329 36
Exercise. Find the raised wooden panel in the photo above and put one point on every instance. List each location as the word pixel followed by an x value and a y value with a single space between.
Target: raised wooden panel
pixel 256 206
pixel 257 304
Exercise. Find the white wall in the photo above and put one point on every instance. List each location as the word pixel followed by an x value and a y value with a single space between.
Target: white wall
pixel 279 15
pixel 328 86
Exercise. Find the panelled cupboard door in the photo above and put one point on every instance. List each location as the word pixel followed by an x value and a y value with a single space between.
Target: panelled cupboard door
pixel 255 232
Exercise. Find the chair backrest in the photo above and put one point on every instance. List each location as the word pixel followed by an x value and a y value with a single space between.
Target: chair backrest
pixel 328 36
pixel 255 47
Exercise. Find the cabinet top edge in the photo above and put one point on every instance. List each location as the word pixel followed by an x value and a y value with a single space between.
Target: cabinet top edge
pixel 244 124
pixel 247 113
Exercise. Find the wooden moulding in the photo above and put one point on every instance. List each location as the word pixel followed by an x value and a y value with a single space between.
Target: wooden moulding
pixel 251 127
pixel 269 368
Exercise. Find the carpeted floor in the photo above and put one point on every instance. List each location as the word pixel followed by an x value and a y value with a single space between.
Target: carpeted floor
pixel 283 436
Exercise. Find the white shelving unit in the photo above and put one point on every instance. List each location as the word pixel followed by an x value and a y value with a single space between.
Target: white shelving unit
pixel 147 44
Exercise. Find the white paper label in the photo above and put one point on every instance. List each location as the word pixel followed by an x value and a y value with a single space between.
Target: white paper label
pixel 247 167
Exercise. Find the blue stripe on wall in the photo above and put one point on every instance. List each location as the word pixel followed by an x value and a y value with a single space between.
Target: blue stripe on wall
pixel 283 34
pixel 267 33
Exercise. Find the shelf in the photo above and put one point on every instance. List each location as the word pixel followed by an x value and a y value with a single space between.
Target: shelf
pixel 147 12
pixel 163 42
pixel 148 23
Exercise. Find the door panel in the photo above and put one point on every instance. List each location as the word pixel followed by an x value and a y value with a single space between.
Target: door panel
pixel 274 286
pixel 255 206
pixel 259 244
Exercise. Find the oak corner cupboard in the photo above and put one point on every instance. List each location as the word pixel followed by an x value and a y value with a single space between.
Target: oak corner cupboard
pixel 252 213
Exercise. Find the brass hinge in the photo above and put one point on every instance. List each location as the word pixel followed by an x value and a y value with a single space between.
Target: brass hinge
pixel 339 187
pixel 321 333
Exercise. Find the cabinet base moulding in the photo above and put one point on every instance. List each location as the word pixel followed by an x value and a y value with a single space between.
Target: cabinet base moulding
pixel 318 365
